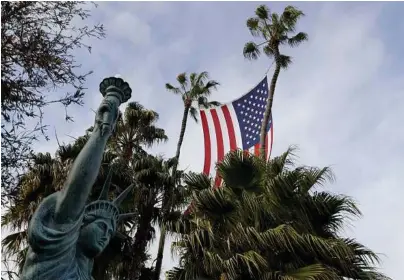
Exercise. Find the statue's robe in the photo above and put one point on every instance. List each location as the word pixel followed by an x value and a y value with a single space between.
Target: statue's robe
pixel 53 253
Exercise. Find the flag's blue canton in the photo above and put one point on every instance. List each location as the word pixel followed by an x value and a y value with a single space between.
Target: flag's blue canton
pixel 250 111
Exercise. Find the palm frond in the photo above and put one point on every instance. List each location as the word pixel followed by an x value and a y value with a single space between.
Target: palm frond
pixel 263 12
pixel 276 25
pixel 173 89
pixel 251 51
pixel 193 79
pixel 200 86
pixel 194 113
pixel 209 201
pixel 203 102
pixel 290 16
pixel 202 78
pixel 198 181
pixel 240 171
pixel 211 85
pixel 214 104
pixel 311 176
pixel 313 271
pixel 269 51
pixel 203 90
pixel 285 61
pixel 182 79
pixel 14 243
pixel 253 26
pixel 280 163
pixel 298 39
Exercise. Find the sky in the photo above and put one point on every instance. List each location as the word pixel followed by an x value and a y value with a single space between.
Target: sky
pixel 340 102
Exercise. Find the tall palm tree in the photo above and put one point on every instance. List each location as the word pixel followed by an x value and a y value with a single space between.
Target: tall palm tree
pixel 276 30
pixel 153 176
pixel 268 221
pixel 193 90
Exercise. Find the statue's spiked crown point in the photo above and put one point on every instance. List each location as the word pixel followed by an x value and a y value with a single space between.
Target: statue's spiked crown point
pixel 105 188
pixel 110 209
pixel 117 201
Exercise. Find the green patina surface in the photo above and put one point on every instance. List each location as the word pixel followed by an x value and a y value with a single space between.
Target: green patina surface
pixel 65 234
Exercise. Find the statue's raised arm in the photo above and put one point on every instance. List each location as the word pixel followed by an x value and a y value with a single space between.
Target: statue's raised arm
pixel 85 168
pixel 65 234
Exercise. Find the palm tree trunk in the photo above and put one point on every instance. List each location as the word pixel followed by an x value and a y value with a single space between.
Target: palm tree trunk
pixel 163 233
pixel 139 246
pixel 270 99
pixel 160 253
pixel 128 153
pixel 182 133
pixel 99 269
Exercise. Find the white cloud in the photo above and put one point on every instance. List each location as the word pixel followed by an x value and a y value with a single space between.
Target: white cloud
pixel 127 25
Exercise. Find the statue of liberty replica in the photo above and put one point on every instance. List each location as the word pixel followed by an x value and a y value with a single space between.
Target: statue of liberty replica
pixel 65 234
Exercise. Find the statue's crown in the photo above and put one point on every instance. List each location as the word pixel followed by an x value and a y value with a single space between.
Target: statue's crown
pixel 104 209
pixel 109 209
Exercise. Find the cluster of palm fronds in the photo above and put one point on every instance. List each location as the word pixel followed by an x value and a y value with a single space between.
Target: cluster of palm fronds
pixel 267 221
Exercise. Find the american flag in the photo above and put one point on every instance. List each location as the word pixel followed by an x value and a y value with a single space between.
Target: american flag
pixel 235 125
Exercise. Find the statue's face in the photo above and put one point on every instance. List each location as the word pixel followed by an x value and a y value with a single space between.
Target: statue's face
pixel 95 236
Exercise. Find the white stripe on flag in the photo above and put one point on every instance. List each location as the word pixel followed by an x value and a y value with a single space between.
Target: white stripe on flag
pixel 213 144
pixel 236 126
pixel 269 142
pixel 225 131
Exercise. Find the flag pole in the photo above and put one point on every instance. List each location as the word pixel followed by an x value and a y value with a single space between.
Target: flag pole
pixel 269 68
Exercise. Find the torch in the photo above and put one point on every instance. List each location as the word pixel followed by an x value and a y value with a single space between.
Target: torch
pixel 115 92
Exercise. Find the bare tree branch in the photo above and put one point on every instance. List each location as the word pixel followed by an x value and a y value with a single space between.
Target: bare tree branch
pixel 37 44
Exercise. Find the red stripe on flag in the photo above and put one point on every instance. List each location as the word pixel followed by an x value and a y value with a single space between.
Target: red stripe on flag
pixel 272 137
pixel 230 128
pixel 266 146
pixel 206 138
pixel 219 141
pixel 257 149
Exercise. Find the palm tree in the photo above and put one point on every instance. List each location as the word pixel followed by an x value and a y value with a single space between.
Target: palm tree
pixel 268 221
pixel 276 30
pixel 196 89
pixel 153 176
pixel 135 130
pixel 32 189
